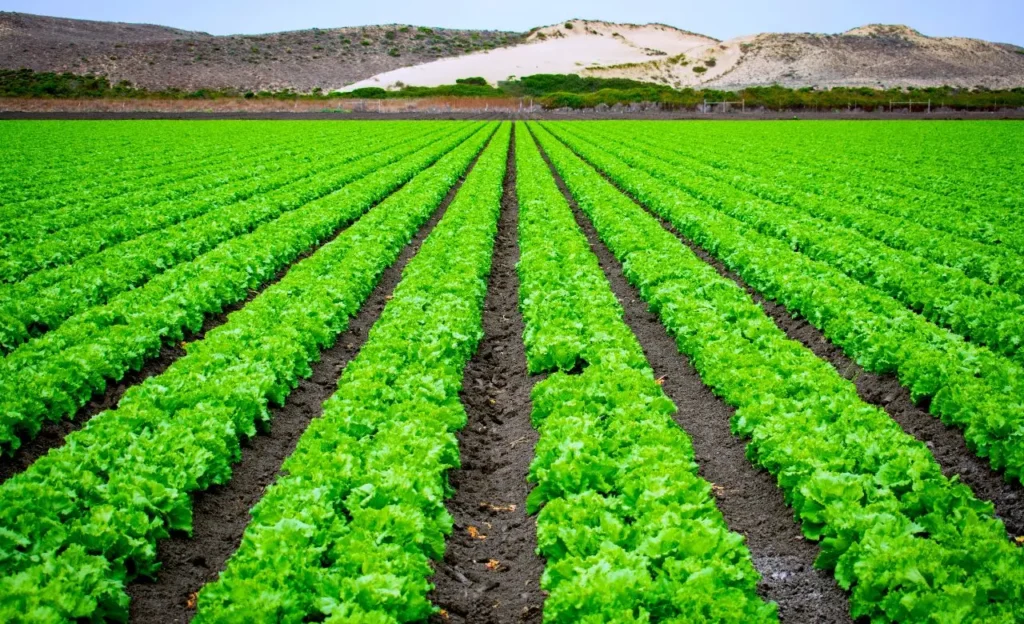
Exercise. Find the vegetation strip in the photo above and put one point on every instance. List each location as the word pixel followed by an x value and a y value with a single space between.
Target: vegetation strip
pixel 749 500
pixel 27 186
pixel 946 443
pixel 44 300
pixel 53 432
pixel 907 541
pixel 220 514
pixel 966 385
pixel 360 510
pixel 21 259
pixel 629 530
pixel 989 222
pixel 985 314
pixel 993 264
pixel 496 446
pixel 32 230
pixel 59 371
pixel 85 518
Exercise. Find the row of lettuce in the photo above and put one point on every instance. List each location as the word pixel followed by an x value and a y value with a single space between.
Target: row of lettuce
pixel 864 206
pixel 129 188
pixel 927 169
pixel 909 265
pixel 906 541
pixel 629 529
pixel 52 376
pixel 45 299
pixel 64 236
pixel 48 164
pixel 83 520
pixel 966 384
pixel 360 511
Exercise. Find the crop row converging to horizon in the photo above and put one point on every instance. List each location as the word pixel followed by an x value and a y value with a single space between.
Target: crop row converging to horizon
pixel 167 288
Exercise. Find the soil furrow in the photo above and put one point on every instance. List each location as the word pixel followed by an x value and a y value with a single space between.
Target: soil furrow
pixel 748 497
pixel 496 447
pixel 221 513
pixel 946 443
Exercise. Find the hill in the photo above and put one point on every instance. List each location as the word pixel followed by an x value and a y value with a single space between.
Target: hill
pixel 871 56
pixel 390 56
pixel 157 57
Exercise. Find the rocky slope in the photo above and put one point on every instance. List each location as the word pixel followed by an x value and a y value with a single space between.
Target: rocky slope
pixel 393 55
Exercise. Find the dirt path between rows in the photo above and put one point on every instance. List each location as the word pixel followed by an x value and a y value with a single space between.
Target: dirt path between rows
pixel 748 497
pixel 496 448
pixel 221 513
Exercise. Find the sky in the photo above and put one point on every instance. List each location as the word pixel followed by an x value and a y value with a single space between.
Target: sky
pixel 995 20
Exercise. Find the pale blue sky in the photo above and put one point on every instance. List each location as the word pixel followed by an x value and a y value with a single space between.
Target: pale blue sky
pixel 996 20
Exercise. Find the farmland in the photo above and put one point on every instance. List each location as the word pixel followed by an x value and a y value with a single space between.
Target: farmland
pixel 481 371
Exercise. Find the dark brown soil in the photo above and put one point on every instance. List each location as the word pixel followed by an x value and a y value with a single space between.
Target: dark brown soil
pixel 53 433
pixel 947 443
pixel 496 447
pixel 748 497
pixel 221 513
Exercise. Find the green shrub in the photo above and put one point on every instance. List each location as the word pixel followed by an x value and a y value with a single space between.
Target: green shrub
pixel 368 92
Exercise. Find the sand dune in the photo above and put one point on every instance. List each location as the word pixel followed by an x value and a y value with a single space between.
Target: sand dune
pixel 873 56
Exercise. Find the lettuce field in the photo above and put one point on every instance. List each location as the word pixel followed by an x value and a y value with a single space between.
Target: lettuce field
pixel 482 371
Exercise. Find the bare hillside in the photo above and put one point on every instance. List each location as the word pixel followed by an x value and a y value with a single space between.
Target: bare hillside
pixel 874 56
pixel 389 56
pixel 158 57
